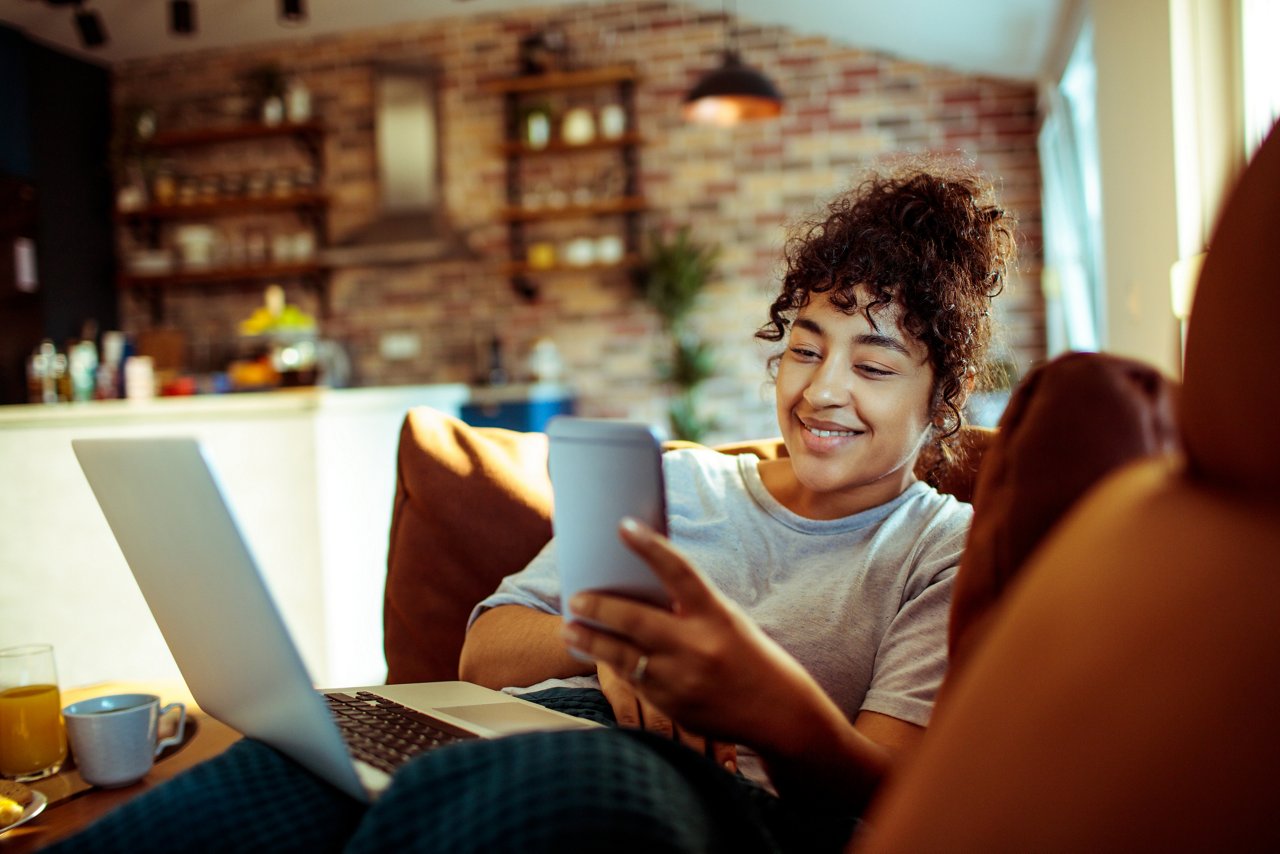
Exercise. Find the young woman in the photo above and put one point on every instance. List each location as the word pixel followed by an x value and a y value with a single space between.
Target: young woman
pixel 814 627
pixel 809 634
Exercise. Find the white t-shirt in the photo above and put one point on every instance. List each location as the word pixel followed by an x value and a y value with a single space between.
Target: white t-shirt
pixel 862 601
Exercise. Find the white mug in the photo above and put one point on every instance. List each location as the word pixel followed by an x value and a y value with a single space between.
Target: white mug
pixel 115 739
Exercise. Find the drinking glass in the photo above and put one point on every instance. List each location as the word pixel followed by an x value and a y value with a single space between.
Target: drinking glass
pixel 33 739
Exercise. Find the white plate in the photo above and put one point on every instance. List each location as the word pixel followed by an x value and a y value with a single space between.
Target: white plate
pixel 37 805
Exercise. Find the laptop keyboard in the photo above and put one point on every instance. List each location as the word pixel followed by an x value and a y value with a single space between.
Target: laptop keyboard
pixel 386 734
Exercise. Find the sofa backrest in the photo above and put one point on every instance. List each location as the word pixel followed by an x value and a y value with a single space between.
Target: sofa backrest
pixel 473 505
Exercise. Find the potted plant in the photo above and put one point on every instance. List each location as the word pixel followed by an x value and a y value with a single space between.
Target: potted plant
pixel 677 270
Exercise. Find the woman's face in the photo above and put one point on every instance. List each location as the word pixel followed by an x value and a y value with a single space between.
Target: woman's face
pixel 853 404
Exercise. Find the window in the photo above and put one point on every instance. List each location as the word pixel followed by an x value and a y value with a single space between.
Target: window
pixel 1260 32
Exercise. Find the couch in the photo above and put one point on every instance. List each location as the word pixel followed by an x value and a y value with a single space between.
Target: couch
pixel 1115 628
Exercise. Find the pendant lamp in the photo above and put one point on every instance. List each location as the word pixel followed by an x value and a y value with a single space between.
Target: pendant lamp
pixel 732 93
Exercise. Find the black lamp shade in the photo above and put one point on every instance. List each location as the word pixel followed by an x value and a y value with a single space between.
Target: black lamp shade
pixel 89 25
pixel 732 93
pixel 182 17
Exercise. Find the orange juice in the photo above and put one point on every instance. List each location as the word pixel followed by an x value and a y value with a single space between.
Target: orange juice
pixel 32 735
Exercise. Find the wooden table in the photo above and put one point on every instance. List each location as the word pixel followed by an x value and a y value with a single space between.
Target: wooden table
pixel 74 804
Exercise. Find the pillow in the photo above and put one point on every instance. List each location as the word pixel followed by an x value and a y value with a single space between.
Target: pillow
pixel 472 506
pixel 1067 425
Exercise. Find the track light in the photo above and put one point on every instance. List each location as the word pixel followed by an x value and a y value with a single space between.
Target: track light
pixel 89 25
pixel 293 12
pixel 182 17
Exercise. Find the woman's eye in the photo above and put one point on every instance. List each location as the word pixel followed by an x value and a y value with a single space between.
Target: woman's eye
pixel 872 370
pixel 804 353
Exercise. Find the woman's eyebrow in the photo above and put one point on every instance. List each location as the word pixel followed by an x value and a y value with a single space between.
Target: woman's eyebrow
pixel 875 339
pixel 808 325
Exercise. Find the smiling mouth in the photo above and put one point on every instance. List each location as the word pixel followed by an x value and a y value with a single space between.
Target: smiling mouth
pixel 830 434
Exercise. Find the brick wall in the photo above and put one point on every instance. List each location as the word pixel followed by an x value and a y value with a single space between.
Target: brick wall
pixel 737 187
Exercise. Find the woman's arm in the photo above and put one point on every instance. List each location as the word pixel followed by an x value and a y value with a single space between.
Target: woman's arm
pixel 511 645
pixel 711 667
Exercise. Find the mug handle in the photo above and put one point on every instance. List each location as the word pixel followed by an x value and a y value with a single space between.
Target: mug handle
pixel 176 738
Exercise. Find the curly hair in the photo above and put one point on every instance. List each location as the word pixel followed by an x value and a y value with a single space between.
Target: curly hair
pixel 927 234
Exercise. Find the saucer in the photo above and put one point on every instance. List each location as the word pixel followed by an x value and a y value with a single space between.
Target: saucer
pixel 37 805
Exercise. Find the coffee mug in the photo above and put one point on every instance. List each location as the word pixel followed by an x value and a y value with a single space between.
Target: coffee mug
pixel 115 739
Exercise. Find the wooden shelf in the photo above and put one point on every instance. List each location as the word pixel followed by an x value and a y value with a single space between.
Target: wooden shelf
pixel 521 219
pixel 222 274
pixel 227 207
pixel 523 268
pixel 611 207
pixel 231 133
pixel 553 80
pixel 150 224
pixel 557 147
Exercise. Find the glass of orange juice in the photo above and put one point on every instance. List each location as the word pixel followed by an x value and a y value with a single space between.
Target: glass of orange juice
pixel 33 738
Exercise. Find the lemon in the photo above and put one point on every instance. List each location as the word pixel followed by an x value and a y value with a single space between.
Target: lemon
pixel 10 811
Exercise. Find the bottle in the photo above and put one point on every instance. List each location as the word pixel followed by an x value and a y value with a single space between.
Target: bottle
pixel 83 366
pixel 497 370
pixel 110 365
pixel 46 373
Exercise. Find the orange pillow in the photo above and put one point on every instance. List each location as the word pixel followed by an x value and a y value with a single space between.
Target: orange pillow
pixel 1067 425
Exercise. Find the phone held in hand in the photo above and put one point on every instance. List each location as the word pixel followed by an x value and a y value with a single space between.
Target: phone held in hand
pixel 603 470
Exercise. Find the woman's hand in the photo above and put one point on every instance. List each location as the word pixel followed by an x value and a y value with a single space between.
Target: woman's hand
pixel 705 663
pixel 632 710
pixel 710 667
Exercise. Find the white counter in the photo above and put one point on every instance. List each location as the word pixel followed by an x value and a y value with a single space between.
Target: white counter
pixel 310 475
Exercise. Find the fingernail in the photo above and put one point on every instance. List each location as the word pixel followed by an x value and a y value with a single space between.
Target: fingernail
pixel 631 526
pixel 570 633
pixel 731 767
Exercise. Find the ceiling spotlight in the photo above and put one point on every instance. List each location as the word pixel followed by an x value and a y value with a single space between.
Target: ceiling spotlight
pixel 89 25
pixel 182 17
pixel 293 12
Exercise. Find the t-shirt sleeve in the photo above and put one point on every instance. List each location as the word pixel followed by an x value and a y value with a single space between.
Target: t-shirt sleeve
pixel 912 658
pixel 536 586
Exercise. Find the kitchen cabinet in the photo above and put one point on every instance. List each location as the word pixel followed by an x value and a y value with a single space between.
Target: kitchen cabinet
pixel 309 474
pixel 270 197
pixel 572 155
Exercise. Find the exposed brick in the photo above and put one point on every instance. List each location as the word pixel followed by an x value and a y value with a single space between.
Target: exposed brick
pixel 738 187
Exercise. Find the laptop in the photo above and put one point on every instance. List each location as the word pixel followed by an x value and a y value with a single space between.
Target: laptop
pixel 163 502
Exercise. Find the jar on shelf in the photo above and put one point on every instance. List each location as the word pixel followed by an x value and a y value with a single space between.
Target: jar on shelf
pixel 613 121
pixel 164 186
pixel 536 126
pixel 578 126
pixel 297 99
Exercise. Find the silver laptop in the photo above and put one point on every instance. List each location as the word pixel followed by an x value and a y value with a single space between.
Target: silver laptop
pixel 163 502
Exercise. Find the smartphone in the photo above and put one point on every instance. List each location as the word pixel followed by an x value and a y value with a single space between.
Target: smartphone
pixel 601 471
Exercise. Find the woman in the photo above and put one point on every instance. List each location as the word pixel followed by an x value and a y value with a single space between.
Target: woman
pixel 811 637
pixel 836 549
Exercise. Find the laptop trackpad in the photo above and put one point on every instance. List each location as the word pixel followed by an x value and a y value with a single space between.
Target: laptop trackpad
pixel 507 718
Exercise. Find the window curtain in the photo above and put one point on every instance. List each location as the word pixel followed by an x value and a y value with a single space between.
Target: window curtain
pixel 1072 273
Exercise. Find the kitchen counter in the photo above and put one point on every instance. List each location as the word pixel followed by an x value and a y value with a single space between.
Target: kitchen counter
pixel 310 477
pixel 236 405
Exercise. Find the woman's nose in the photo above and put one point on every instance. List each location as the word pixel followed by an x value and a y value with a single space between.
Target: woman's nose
pixel 828 387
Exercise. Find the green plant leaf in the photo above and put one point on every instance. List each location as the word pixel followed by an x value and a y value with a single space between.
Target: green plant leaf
pixel 677 270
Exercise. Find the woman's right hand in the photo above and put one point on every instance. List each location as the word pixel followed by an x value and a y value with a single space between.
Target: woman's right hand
pixel 634 712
